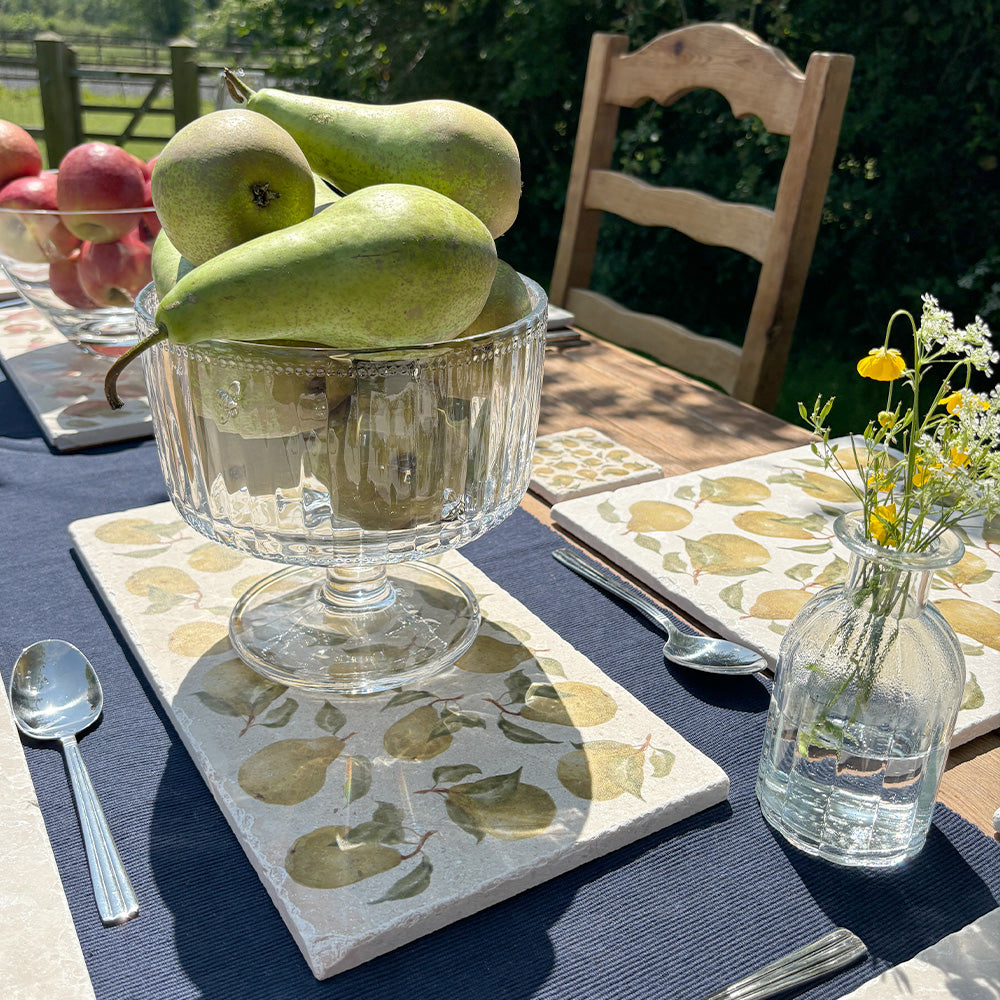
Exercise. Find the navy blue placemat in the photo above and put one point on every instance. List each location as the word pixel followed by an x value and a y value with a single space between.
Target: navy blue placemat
pixel 672 916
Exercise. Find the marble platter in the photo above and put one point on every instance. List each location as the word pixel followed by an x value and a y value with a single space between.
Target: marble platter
pixel 64 387
pixel 741 547
pixel 520 763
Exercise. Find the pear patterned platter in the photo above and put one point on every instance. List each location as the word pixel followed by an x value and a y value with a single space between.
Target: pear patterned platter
pixel 373 821
pixel 741 547
pixel 64 387
pixel 582 461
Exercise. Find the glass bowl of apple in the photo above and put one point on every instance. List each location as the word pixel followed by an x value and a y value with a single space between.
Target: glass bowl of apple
pixel 76 243
pixel 355 468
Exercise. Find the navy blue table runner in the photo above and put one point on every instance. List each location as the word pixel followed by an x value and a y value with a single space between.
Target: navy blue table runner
pixel 672 916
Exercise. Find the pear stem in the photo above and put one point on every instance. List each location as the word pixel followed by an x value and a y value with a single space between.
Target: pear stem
pixel 238 90
pixel 121 363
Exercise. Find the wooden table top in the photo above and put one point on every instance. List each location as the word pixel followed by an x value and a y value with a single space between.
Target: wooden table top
pixel 686 426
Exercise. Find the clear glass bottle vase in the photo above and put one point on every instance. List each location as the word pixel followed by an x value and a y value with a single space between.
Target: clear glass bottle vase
pixel 868 684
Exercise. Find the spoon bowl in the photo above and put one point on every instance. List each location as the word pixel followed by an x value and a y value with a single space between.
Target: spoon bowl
pixel 698 652
pixel 55 694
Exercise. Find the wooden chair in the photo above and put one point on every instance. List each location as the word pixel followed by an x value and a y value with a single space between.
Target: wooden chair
pixel 755 79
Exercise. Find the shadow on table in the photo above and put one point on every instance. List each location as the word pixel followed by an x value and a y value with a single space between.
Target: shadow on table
pixel 899 911
pixel 18 423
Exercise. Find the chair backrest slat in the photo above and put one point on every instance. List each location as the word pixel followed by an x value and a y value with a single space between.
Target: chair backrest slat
pixel 755 79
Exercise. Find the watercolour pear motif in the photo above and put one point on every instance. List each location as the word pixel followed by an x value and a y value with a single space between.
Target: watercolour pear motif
pixel 725 555
pixel 214 558
pixel 771 524
pixel 335 856
pixel 199 638
pixel 419 735
pixel 732 491
pixel 779 605
pixel 490 655
pixel 974 620
pixel 165 579
pixel 656 515
pixel 289 771
pixel 500 806
pixel 568 703
pixel 232 688
pixel 603 770
pixel 323 859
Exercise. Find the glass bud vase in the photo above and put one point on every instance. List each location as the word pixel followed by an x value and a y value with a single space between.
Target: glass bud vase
pixel 868 683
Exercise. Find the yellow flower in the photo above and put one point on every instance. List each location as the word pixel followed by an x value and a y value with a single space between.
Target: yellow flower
pixel 883 525
pixel 883 364
pixel 958 458
pixel 886 419
pixel 922 472
pixel 954 401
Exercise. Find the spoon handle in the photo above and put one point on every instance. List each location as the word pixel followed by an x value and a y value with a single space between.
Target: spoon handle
pixel 116 900
pixel 612 585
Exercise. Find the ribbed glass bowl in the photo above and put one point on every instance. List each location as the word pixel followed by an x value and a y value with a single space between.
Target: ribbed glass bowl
pixel 353 467
pixel 33 241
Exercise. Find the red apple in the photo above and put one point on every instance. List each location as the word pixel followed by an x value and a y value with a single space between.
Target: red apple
pixel 64 280
pixel 149 224
pixel 19 154
pixel 112 274
pixel 38 235
pixel 93 178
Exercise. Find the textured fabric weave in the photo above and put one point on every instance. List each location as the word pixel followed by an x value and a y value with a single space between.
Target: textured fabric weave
pixel 672 916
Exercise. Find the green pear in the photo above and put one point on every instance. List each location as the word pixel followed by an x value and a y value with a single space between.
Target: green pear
pixel 323 194
pixel 388 266
pixel 226 178
pixel 456 149
pixel 167 264
pixel 507 302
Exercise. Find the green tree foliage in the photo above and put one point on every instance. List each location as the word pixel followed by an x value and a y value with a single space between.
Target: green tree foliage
pixel 913 203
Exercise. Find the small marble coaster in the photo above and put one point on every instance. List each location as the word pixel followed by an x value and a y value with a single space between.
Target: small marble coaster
pixel 962 966
pixel 373 821
pixel 64 387
pixel 582 461
pixel 41 957
pixel 741 547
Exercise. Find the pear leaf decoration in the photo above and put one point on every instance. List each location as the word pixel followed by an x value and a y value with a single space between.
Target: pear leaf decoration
pixel 972 696
pixel 281 715
pixel 358 780
pixel 501 806
pixel 454 772
pixel 411 884
pixel 520 734
pixel 330 718
pixel 405 697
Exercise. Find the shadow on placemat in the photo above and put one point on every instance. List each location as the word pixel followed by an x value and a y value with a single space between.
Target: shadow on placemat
pixel 939 891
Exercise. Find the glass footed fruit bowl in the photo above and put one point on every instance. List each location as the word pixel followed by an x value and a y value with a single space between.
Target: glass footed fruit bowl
pixel 353 467
pixel 49 265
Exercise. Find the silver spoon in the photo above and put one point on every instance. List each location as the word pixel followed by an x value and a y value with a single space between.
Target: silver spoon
pixel 55 694
pixel 700 652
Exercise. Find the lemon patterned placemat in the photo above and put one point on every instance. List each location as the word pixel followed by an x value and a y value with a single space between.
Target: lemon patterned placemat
pixel 742 547
pixel 64 387
pixel 582 461
pixel 373 821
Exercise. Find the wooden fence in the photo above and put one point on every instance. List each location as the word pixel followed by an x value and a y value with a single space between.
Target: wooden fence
pixel 61 77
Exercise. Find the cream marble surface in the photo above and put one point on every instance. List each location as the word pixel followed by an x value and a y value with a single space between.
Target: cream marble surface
pixel 741 547
pixel 962 966
pixel 413 808
pixel 33 908
pixel 64 387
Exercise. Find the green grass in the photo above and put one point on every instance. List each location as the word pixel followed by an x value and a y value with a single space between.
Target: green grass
pixel 25 108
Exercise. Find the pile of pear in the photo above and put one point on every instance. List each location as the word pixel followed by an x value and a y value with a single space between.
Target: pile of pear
pixel 306 220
